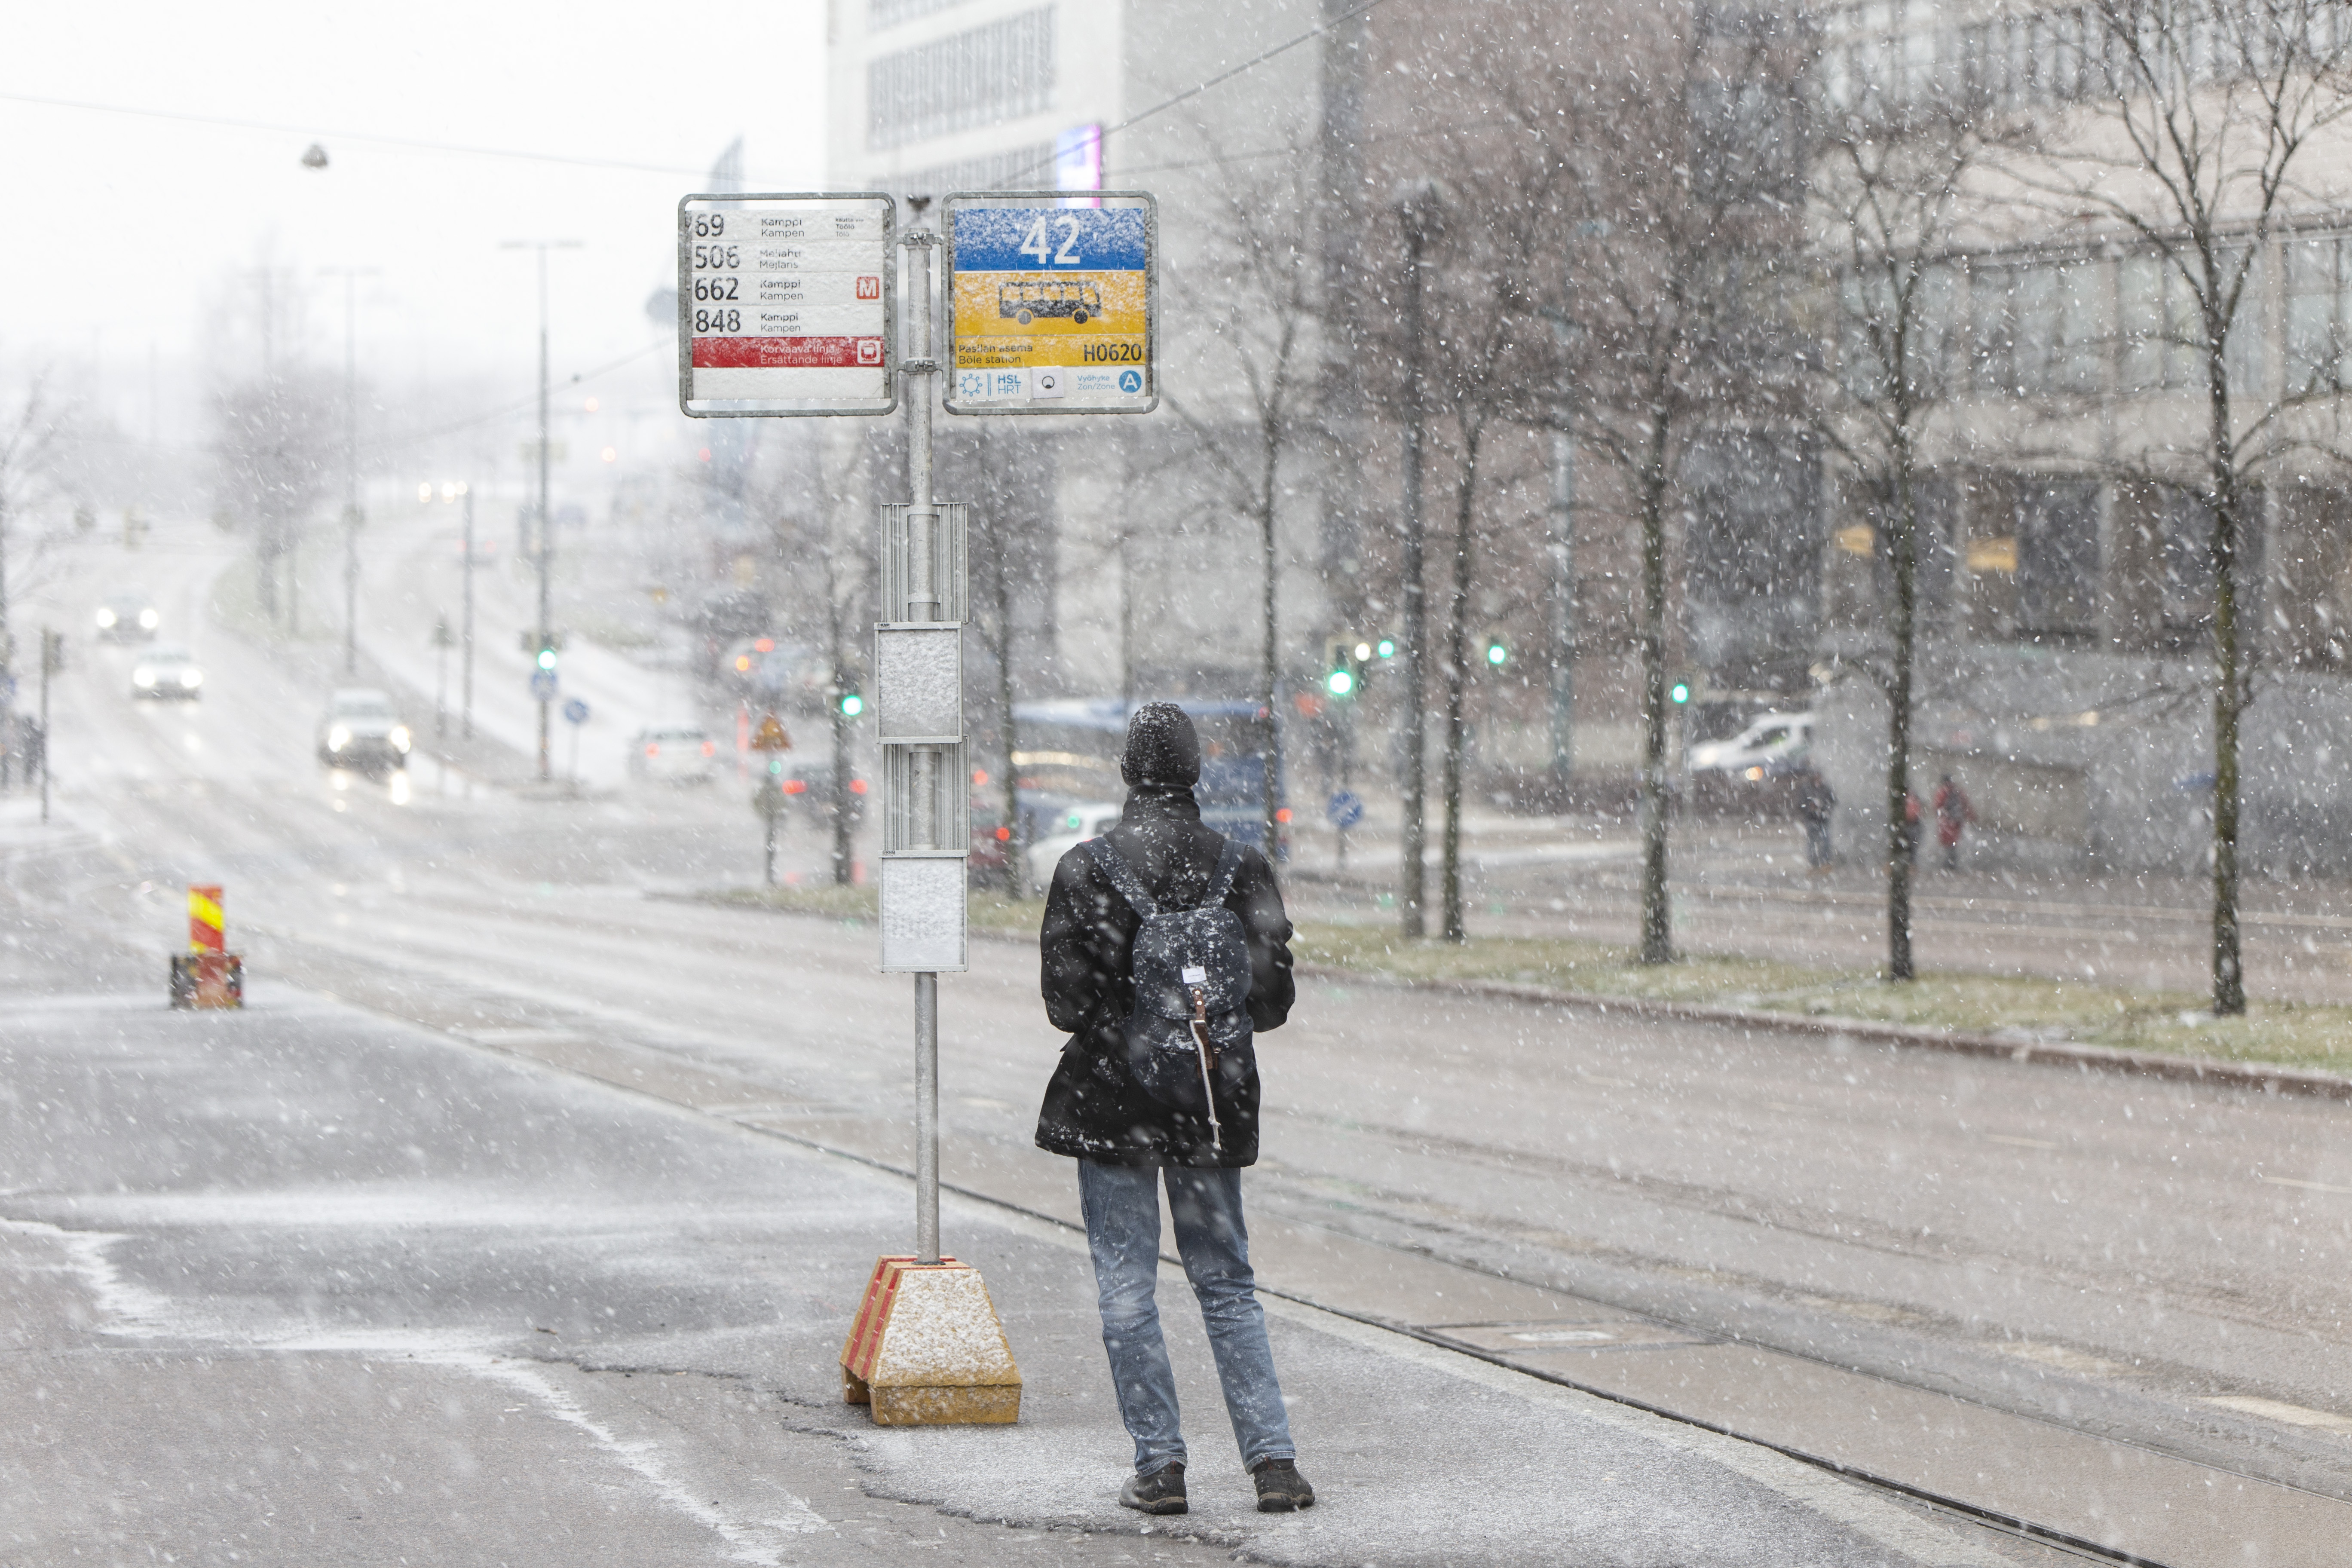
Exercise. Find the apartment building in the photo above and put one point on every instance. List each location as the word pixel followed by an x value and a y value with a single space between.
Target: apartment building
pixel 1141 579
pixel 2066 584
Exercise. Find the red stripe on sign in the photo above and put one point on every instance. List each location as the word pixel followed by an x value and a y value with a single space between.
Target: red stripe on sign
pixel 787 353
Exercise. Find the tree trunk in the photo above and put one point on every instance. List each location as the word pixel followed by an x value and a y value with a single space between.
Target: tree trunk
pixel 1657 932
pixel 1411 885
pixel 2229 977
pixel 1899 833
pixel 1457 675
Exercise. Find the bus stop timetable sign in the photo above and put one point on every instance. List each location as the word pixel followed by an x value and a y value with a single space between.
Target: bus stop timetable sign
pixel 785 305
pixel 1052 308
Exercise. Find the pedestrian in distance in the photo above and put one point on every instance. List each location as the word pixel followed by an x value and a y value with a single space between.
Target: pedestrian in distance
pixel 1165 950
pixel 1914 827
pixel 1816 803
pixel 1953 814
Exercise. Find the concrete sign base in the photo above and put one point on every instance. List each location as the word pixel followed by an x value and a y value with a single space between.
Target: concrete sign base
pixel 928 1349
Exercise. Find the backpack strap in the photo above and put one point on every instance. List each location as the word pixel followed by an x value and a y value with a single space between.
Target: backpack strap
pixel 1221 881
pixel 1113 865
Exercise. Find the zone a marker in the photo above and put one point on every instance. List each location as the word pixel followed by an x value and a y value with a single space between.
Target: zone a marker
pixel 786 305
pixel 1053 308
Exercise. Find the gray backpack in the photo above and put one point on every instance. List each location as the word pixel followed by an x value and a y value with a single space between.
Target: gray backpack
pixel 1191 972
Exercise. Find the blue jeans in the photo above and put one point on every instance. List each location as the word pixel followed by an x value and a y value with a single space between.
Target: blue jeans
pixel 1122 1210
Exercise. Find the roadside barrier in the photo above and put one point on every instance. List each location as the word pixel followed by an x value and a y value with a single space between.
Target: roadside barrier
pixel 208 975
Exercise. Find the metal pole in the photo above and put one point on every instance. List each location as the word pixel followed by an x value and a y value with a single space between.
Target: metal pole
pixel 350 476
pixel 923 604
pixel 49 650
pixel 546 526
pixel 465 662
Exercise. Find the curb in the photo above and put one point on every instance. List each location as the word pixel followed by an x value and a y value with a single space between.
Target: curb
pixel 2268 1080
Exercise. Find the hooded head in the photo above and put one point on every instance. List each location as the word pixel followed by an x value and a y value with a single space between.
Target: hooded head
pixel 1162 748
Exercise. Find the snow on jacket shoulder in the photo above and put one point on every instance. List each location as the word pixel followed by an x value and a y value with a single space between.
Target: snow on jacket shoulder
pixel 1093 1108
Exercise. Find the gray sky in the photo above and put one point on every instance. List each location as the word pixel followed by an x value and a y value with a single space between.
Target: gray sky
pixel 123 229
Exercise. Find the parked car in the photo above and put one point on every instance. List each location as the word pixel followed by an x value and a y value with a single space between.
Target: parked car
pixel 362 728
pixel 1771 745
pixel 167 670
pixel 1088 819
pixel 128 617
pixel 682 753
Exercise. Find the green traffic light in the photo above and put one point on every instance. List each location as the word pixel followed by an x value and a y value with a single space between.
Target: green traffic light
pixel 547 659
pixel 1340 682
pixel 1496 653
pixel 852 705
pixel 1681 692
pixel 1388 647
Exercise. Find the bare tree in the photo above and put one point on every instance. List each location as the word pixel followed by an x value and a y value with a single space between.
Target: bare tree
pixel 2197 123
pixel 819 523
pixel 1487 364
pixel 1256 282
pixel 1890 187
pixel 1010 546
pixel 1684 158
pixel 276 438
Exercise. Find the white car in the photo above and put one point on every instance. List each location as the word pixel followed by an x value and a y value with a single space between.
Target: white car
pixel 1772 744
pixel 1072 827
pixel 360 728
pixel 166 670
pixel 682 753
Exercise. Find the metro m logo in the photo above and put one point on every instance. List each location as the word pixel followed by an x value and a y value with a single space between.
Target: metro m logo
pixel 869 287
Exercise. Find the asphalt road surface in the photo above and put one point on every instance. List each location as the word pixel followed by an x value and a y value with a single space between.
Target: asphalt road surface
pixel 519 1217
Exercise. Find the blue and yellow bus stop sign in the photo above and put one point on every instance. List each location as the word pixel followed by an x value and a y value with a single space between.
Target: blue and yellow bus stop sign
pixel 1053 305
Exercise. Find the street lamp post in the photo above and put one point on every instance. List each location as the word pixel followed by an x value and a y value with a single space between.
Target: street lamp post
pixel 465 632
pixel 351 515
pixel 543 636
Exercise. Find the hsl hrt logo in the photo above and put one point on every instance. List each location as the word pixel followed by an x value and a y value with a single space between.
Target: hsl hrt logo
pixel 1130 381
pixel 869 287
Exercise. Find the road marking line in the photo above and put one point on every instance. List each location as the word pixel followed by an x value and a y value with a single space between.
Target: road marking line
pixel 2278 1410
pixel 2307 1186
pixel 2015 1142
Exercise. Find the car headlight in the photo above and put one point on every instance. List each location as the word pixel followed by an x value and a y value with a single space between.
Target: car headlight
pixel 400 737
pixel 105 619
pixel 338 737
pixel 149 619
pixel 192 678
pixel 142 675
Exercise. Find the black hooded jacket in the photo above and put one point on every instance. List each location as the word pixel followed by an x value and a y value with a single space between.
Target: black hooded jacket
pixel 1093 1108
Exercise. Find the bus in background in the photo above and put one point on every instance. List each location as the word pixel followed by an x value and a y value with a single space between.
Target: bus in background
pixel 1067 768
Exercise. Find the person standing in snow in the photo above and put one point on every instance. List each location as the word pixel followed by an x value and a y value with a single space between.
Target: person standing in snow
pixel 1953 814
pixel 1138 1103
pixel 1815 803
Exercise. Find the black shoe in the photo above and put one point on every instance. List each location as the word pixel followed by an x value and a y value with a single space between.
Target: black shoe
pixel 1162 1492
pixel 1280 1486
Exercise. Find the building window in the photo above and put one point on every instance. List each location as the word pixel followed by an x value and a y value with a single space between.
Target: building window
pixel 2318 316
pixel 881 14
pixel 1024 168
pixel 2057 557
pixel 980 77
